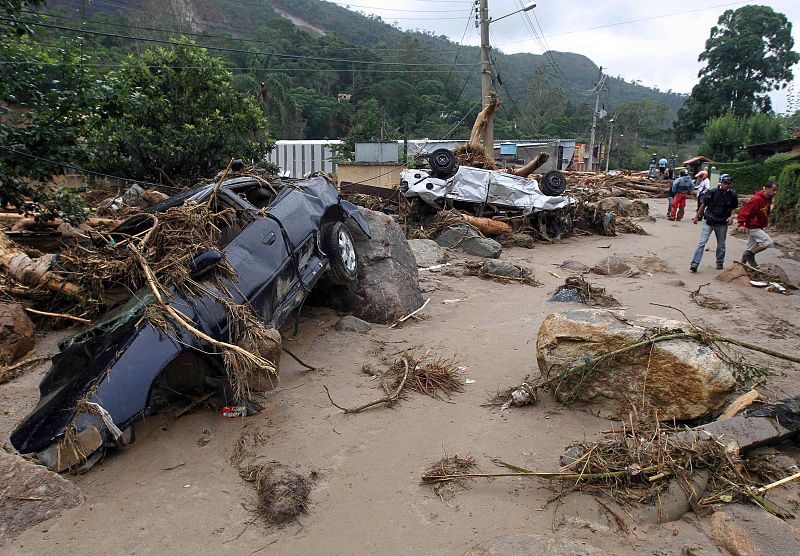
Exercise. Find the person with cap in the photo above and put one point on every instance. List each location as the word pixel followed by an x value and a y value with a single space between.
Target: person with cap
pixel 662 167
pixel 681 187
pixel 753 218
pixel 717 209
pixel 671 171
pixel 701 185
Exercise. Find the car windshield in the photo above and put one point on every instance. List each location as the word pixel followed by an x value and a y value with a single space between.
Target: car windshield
pixel 119 316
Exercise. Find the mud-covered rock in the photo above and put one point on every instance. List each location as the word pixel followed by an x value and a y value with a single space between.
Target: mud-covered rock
pixel 387 287
pixel 468 240
pixel 624 207
pixel 506 269
pixel 654 265
pixel 30 494
pixel 16 333
pixel 533 545
pixel 682 379
pixel 611 266
pixel 427 252
pixel 350 323
pixel 517 240
pixel 575 266
pixel 750 531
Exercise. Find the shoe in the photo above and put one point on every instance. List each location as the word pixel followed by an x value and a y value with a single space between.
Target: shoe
pixel 693 268
pixel 751 258
pixel 720 266
pixel 670 218
pixel 746 257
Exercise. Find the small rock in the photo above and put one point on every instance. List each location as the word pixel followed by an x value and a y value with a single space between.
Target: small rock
pixel 133 197
pixel 750 531
pixel 468 240
pixel 16 333
pixel 611 266
pixel 673 501
pixel 427 252
pixel 572 454
pixel 152 197
pixel 502 268
pixel 675 283
pixel 353 324
pixel 654 264
pixel 517 240
pixel 575 266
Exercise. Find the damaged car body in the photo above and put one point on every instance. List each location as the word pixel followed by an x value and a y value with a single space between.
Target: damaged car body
pixel 285 237
pixel 488 193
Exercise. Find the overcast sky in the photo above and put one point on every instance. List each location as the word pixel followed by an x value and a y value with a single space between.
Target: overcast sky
pixel 661 51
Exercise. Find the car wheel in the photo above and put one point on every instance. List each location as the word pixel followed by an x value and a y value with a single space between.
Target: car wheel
pixel 442 162
pixel 338 244
pixel 554 183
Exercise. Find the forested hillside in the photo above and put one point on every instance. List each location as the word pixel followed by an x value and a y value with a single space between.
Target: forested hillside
pixel 296 56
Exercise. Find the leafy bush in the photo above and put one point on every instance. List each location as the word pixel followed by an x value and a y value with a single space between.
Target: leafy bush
pixel 748 177
pixel 786 211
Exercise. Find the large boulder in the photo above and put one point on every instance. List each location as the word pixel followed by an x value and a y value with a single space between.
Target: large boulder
pixel 682 379
pixel 427 252
pixel 467 238
pixel 16 333
pixel 611 266
pixel 387 287
pixel 30 494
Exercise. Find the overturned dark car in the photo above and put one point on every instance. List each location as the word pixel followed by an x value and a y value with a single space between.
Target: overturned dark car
pixel 284 239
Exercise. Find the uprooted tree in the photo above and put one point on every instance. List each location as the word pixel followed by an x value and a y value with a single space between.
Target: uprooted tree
pixel 475 153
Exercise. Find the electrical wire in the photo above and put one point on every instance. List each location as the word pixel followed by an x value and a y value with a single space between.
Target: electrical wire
pixel 225 68
pixel 223 49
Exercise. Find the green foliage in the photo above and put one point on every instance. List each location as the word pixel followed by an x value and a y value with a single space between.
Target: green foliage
pixel 173 112
pixel 750 176
pixel 43 116
pixel 12 10
pixel 724 136
pixel 786 211
pixel 748 54
pixel 781 157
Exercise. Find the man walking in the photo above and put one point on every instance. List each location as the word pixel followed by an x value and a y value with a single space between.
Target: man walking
pixel 662 167
pixel 717 208
pixel 753 218
pixel 681 187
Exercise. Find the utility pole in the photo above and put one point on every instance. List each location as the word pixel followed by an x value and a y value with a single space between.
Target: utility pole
pixel 599 89
pixel 610 138
pixel 486 76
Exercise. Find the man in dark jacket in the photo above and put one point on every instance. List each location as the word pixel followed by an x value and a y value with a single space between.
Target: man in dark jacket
pixel 753 218
pixel 681 187
pixel 717 208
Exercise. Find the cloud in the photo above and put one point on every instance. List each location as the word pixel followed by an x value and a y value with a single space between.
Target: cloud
pixel 660 51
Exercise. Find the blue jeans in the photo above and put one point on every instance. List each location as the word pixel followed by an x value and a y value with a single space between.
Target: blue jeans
pixel 721 231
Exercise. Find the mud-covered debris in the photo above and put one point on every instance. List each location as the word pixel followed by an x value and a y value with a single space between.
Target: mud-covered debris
pixel 282 493
pixel 502 271
pixel 16 333
pixel 578 290
pixel 449 466
pixel 611 266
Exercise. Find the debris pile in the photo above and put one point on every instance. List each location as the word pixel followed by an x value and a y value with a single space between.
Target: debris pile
pixel 576 289
pixel 502 271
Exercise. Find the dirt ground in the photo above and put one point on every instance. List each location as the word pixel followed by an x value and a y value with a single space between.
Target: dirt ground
pixel 175 490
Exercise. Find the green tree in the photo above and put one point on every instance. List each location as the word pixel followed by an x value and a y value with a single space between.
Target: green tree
pixel 12 9
pixel 724 137
pixel 46 102
pixel 748 54
pixel 173 113
pixel 546 103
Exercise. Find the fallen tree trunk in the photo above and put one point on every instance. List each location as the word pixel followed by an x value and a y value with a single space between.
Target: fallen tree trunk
pixel 485 115
pixel 531 166
pixel 487 226
pixel 25 223
pixel 34 272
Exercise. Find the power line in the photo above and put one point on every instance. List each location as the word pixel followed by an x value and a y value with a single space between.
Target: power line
pixel 226 68
pixel 349 5
pixel 223 49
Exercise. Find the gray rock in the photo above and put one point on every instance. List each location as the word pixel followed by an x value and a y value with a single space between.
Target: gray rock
pixel 518 240
pixel 675 283
pixel 388 286
pixel 30 495
pixel 16 333
pixel 740 432
pixel 533 545
pixel 427 252
pixel 684 379
pixel 674 501
pixel 468 240
pixel 353 324
pixel 502 268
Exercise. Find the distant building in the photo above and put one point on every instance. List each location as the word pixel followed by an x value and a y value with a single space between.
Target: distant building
pixel 762 150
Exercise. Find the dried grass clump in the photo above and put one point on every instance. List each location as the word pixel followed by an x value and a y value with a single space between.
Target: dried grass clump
pixel 282 493
pixel 708 301
pixel 432 226
pixel 521 275
pixel 429 375
pixel 628 225
pixel 449 467
pixel 473 155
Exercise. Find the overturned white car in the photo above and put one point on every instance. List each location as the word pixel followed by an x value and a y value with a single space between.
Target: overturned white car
pixel 493 194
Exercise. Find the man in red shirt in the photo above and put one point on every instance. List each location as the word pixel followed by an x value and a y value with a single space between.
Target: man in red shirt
pixel 753 218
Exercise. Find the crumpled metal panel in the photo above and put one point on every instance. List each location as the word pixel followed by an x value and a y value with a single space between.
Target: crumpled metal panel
pixel 475 185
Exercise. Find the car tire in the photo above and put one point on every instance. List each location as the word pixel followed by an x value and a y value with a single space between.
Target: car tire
pixel 554 183
pixel 442 163
pixel 339 246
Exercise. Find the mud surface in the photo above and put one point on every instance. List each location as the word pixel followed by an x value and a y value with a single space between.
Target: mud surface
pixel 175 490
